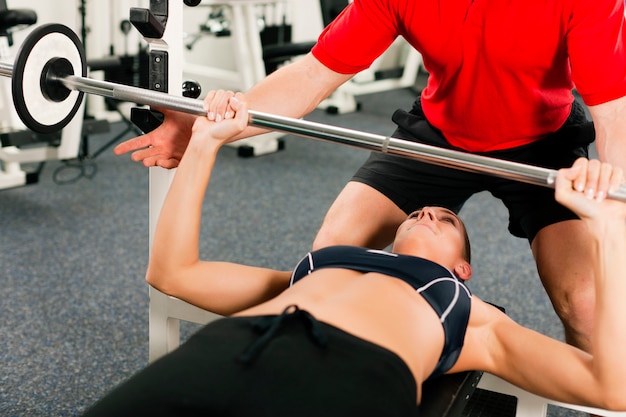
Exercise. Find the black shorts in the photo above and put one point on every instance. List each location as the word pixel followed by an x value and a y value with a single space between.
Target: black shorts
pixel 291 375
pixel 411 184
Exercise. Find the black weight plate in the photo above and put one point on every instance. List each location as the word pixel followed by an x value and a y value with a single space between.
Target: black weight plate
pixel 44 43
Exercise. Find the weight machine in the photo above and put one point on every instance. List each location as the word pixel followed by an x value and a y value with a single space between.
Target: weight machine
pixel 22 151
pixel 256 32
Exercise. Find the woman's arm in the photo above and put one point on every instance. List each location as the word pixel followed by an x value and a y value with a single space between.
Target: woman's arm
pixel 546 366
pixel 606 221
pixel 527 359
pixel 174 266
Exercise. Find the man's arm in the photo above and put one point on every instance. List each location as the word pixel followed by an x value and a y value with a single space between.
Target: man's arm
pixel 610 123
pixel 293 90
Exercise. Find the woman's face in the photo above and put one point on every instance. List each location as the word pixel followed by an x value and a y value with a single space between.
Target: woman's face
pixel 433 233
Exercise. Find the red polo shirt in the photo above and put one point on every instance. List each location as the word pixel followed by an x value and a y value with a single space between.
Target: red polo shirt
pixel 501 73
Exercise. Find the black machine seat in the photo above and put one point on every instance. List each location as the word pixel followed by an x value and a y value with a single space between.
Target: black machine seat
pixel 12 20
pixel 448 395
pixel 15 18
pixel 276 40
pixel 276 54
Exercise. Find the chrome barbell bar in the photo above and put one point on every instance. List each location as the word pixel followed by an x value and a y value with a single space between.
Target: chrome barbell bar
pixel 363 140
pixel 355 138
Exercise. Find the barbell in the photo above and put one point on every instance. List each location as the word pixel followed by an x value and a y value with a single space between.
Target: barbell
pixel 49 79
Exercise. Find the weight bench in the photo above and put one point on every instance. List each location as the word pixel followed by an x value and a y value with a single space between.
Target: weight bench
pixel 523 403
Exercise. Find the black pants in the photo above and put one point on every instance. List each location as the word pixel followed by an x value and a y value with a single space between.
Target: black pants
pixel 288 365
pixel 411 184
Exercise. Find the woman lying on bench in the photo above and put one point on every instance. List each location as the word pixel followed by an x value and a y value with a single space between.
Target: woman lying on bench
pixel 355 332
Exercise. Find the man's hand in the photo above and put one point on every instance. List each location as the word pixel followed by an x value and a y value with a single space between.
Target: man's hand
pixel 164 146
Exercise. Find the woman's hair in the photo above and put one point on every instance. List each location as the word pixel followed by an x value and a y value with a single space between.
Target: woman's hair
pixel 467 247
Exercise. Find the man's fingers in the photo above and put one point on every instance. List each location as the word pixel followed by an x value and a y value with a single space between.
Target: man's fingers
pixel 143 154
pixel 168 163
pixel 133 144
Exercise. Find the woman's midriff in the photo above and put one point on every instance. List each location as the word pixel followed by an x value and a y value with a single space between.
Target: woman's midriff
pixel 372 306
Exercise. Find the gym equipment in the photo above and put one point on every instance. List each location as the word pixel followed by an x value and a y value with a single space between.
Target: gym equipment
pixel 53 49
pixel 23 152
pixel 216 24
pixel 12 20
pixel 398 67
pixel 47 95
pixel 239 26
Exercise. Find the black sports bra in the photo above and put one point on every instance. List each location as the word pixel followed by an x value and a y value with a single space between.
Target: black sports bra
pixel 445 293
